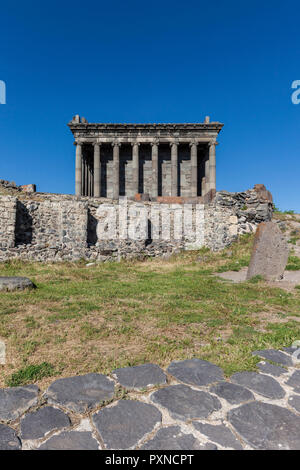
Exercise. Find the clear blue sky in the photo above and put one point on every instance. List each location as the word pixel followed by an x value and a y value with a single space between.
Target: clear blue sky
pixel 158 61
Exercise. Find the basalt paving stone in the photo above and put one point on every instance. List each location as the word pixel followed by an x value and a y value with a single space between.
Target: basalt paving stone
pixel 234 394
pixel 71 440
pixel 182 402
pixel 139 377
pixel 220 434
pixel 271 369
pixel 294 401
pixel 195 372
pixel 123 425
pixel 294 381
pixel 266 427
pixel 16 400
pixel 82 392
pixel 259 383
pixel 172 438
pixel 8 439
pixel 274 356
pixel 290 350
pixel 35 425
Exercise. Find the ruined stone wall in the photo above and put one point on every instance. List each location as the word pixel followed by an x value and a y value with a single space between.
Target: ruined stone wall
pixel 7 221
pixel 64 227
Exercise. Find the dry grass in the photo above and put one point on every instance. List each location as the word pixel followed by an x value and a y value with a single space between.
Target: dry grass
pixel 93 319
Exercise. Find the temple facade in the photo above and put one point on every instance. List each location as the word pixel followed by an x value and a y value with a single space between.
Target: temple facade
pixel 155 160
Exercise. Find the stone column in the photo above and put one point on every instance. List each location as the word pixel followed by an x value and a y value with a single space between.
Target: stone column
pixel 116 164
pixel 154 157
pixel 78 171
pixel 206 176
pixel 91 180
pixel 135 167
pixel 97 171
pixel 194 169
pixel 203 186
pixel 174 168
pixel 86 173
pixel 212 165
pixel 82 177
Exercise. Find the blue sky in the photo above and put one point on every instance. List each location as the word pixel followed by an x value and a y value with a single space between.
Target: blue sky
pixel 158 61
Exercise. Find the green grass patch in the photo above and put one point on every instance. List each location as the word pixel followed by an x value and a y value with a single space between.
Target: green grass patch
pixel 293 263
pixel 30 374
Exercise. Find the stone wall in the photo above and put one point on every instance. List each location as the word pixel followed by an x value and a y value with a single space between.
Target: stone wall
pixel 8 206
pixel 64 227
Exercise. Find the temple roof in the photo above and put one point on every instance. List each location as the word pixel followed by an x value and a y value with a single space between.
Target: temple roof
pixel 78 123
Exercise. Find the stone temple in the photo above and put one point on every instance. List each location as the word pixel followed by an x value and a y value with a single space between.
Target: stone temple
pixel 152 160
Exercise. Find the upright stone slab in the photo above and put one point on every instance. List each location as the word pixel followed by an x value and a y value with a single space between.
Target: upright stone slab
pixel 269 253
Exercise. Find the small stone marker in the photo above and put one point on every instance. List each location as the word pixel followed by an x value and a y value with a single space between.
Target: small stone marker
pixel 2 353
pixel 269 253
pixel 15 283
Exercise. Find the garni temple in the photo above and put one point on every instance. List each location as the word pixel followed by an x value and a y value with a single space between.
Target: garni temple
pixel 153 160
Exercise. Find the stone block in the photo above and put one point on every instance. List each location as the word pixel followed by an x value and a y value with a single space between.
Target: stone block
pixel 263 193
pixel 170 200
pixel 28 188
pixel 141 197
pixel 15 283
pixel 269 253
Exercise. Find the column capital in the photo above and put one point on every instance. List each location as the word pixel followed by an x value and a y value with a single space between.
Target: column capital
pixel 116 143
pixel 135 142
pixel 212 142
pixel 193 142
pixel 96 144
pixel 174 142
pixel 77 142
pixel 154 142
